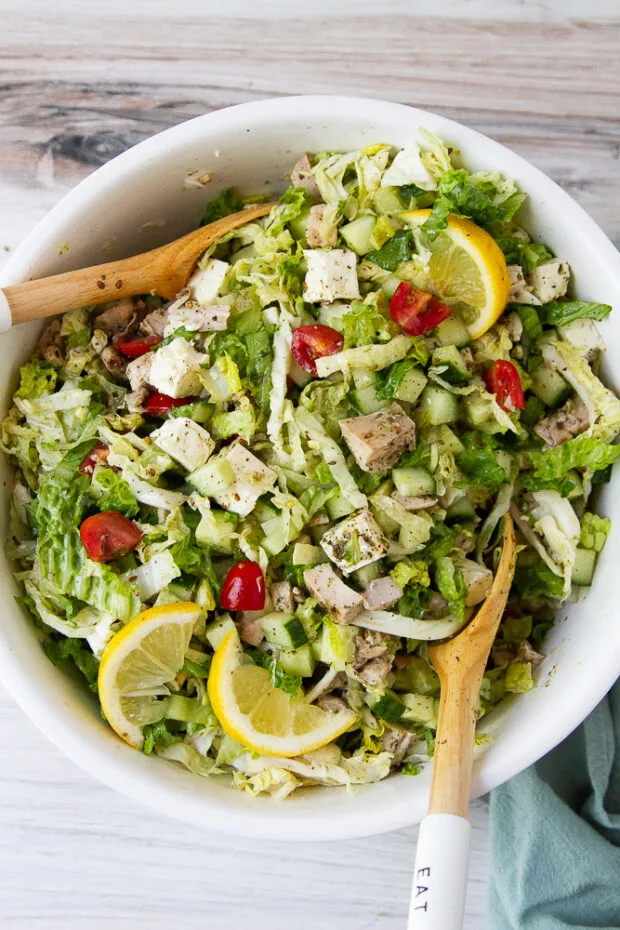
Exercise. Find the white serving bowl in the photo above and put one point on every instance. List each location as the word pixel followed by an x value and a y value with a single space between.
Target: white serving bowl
pixel 139 200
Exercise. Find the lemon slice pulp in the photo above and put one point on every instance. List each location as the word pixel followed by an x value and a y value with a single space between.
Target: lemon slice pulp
pixel 466 266
pixel 262 717
pixel 137 663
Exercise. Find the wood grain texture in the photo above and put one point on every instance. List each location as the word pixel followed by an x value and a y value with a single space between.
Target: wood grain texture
pixel 81 81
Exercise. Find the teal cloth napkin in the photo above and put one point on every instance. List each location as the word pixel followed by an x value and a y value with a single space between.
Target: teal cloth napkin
pixel 555 834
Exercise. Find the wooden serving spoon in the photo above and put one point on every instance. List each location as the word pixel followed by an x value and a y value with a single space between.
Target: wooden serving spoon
pixel 440 876
pixel 163 271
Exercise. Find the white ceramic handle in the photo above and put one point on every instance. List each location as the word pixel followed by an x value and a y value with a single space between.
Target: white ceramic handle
pixel 6 320
pixel 440 875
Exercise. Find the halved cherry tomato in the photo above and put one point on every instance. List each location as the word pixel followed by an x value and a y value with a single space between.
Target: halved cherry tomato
pixel 160 405
pixel 135 346
pixel 243 588
pixel 109 535
pixel 417 311
pixel 312 342
pixel 503 380
pixel 98 455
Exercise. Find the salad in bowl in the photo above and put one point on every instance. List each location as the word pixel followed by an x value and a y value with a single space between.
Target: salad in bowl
pixel 243 514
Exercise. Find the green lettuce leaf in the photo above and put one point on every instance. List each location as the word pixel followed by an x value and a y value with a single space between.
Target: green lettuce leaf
pixel 537 580
pixel 486 198
pixel 552 465
pixel 290 684
pixel 451 585
pixel 291 204
pixel 223 205
pixel 64 649
pixel 479 463
pixel 558 313
pixel 396 250
pixel 363 325
pixel 35 379
pixel 113 492
pixel 519 677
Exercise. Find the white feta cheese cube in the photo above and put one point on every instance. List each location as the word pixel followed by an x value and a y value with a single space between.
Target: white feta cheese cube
pixel 175 369
pixel 252 479
pixel 584 335
pixel 205 284
pixel 196 318
pixel 331 275
pixel 185 441
pixel 519 291
pixel 550 280
pixel 139 371
pixel 355 542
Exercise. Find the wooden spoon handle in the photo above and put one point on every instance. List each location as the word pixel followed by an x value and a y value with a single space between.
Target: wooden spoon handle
pixel 34 300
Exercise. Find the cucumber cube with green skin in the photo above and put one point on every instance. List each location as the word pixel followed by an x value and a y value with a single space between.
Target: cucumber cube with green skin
pixel 216 530
pixel 387 200
pixel 364 400
pixel 453 332
pixel 300 662
pixel 420 708
pixel 363 377
pixel 363 576
pixel 219 629
pixel 413 482
pixel 449 359
pixel 550 386
pixel 445 438
pixel 304 554
pixel 358 234
pixel 417 676
pixel 460 511
pixel 411 386
pixel 338 507
pixel 283 630
pixel 213 477
pixel 583 568
pixel 298 225
pixel 437 406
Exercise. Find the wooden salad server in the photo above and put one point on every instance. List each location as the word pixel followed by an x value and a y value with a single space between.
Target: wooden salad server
pixel 440 876
pixel 163 271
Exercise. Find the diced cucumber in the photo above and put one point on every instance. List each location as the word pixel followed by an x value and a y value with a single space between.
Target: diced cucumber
pixel 367 573
pixel 299 662
pixel 304 554
pixel 417 676
pixel 317 532
pixel 460 511
pixel 412 482
pixel 364 400
pixel 437 406
pixel 283 630
pixel 335 644
pixel 217 630
pixel 444 437
pixel 550 386
pixel 478 413
pixel 298 375
pixel 358 234
pixel 338 507
pixel 363 377
pixel 453 332
pixel 411 386
pixel 188 710
pixel 213 477
pixel 298 225
pixel 215 530
pixel 200 412
pixel 583 569
pixel 420 708
pixel 450 359
pixel 388 200
pixel 265 509
pixel 575 477
pixel 506 461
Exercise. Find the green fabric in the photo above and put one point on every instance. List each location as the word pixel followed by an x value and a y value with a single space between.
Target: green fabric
pixel 555 834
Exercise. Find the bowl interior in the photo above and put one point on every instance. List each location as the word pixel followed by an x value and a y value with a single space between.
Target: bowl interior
pixel 146 197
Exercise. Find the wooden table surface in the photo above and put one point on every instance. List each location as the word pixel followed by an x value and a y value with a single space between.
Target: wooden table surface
pixel 82 80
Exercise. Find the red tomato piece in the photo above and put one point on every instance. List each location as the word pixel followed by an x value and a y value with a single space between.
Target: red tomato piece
pixel 98 455
pixel 109 535
pixel 160 405
pixel 503 380
pixel 243 588
pixel 418 312
pixel 135 346
pixel 312 342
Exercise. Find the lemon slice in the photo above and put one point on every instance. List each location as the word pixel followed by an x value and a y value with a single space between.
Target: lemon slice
pixel 467 266
pixel 137 663
pixel 262 717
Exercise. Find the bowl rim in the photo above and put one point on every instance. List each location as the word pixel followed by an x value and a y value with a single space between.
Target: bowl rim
pixel 76 738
